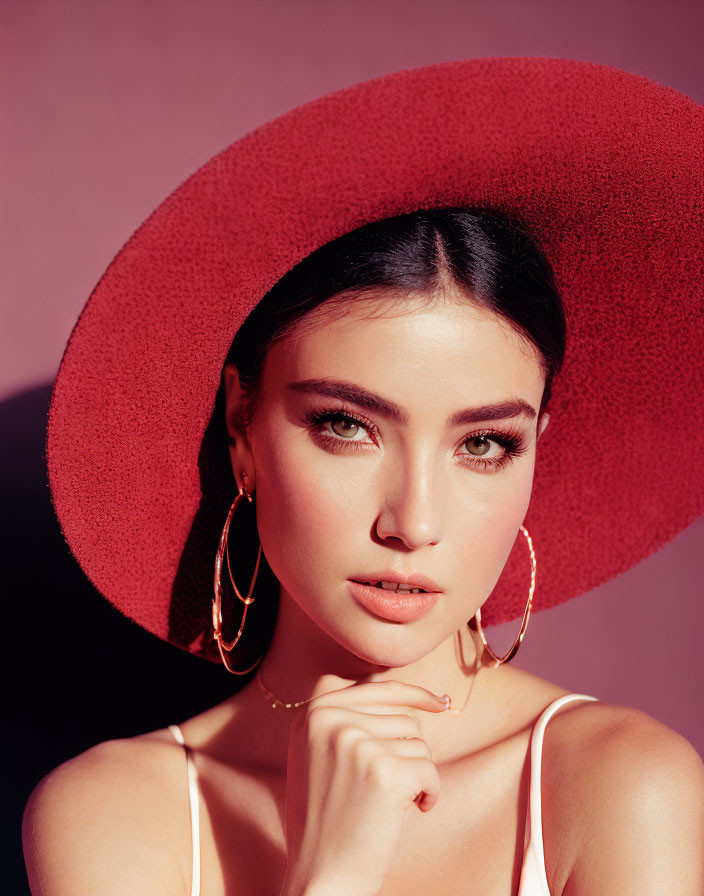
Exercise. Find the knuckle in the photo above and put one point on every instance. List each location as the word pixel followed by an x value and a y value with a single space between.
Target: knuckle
pixel 383 769
pixel 412 728
pixel 315 718
pixel 367 751
pixel 422 746
pixel 347 737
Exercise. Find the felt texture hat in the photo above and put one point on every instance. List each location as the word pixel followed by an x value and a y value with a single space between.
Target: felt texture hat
pixel 602 167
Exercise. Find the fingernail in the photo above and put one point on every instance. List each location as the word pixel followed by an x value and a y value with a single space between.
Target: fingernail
pixel 447 700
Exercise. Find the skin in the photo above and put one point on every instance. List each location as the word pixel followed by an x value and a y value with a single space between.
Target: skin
pixel 409 500
pixel 622 794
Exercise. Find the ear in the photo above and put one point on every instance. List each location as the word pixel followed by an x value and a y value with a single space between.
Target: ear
pixel 542 423
pixel 239 447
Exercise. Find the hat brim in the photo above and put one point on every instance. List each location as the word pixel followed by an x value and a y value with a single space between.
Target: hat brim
pixel 605 170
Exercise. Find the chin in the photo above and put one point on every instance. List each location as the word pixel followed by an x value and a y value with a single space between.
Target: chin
pixel 394 645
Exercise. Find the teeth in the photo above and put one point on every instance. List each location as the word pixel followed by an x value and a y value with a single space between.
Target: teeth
pixel 395 586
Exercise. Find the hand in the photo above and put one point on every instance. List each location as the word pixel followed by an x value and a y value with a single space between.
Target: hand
pixel 350 780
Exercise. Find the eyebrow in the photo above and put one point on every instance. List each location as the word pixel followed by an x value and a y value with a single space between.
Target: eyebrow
pixel 511 407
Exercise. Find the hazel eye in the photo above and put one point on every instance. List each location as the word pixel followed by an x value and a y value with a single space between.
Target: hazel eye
pixel 345 427
pixel 336 428
pixel 485 444
pixel 478 445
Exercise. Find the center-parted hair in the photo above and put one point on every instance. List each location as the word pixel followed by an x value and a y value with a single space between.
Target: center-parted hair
pixel 483 256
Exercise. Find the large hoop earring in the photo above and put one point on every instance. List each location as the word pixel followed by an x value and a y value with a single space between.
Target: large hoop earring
pixel 475 623
pixel 224 646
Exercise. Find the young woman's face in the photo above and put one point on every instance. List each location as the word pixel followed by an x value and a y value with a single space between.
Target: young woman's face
pixel 384 478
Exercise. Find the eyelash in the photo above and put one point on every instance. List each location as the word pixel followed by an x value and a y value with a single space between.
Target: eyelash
pixel 510 440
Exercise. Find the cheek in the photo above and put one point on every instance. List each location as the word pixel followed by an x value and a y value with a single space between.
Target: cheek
pixel 493 527
pixel 308 511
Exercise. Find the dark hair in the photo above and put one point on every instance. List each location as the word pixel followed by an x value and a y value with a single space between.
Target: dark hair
pixel 483 255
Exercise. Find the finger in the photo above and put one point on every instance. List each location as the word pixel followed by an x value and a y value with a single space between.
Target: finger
pixel 427 780
pixel 380 724
pixel 398 693
pixel 381 708
pixel 409 747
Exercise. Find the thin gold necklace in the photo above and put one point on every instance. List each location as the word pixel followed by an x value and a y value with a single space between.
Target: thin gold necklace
pixel 276 703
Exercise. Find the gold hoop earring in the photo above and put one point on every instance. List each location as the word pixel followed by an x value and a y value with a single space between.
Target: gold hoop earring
pixel 475 623
pixel 224 551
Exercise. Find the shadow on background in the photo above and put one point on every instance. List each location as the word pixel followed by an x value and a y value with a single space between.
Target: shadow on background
pixel 76 672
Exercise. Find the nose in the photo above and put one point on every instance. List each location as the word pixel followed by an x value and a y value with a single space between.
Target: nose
pixel 411 510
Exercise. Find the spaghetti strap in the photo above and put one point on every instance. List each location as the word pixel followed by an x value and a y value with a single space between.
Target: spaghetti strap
pixel 193 800
pixel 534 880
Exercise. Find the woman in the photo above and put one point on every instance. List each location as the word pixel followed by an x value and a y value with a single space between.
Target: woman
pixel 375 431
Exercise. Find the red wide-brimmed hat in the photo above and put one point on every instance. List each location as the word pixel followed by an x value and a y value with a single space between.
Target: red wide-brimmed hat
pixel 602 167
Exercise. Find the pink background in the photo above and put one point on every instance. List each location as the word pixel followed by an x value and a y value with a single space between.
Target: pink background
pixel 108 107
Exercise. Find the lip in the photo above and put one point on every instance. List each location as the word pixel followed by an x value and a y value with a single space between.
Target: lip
pixel 390 604
pixel 415 580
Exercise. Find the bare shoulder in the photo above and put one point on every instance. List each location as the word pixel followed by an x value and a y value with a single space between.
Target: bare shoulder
pixel 110 820
pixel 623 803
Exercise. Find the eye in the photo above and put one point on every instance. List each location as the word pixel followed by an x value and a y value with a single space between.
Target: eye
pixel 481 442
pixel 511 441
pixel 339 429
pixel 345 427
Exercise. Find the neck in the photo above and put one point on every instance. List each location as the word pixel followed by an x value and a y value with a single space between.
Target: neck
pixel 304 662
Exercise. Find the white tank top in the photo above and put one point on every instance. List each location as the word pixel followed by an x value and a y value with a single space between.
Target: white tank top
pixel 533 881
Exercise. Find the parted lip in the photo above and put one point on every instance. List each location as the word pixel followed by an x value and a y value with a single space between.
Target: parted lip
pixel 414 580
